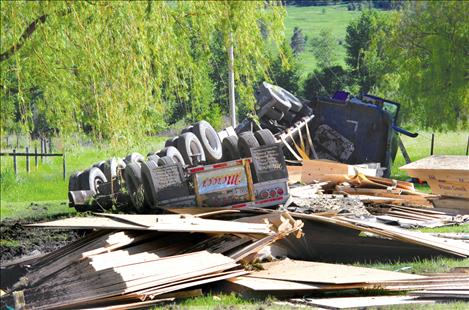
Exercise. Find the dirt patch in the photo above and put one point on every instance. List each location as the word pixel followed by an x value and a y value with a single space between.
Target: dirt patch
pixel 18 241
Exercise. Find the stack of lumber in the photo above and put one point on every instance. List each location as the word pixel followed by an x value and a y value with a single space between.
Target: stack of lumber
pixel 155 255
pixel 447 176
pixel 298 278
pixel 420 217
pixel 393 201
pixel 319 170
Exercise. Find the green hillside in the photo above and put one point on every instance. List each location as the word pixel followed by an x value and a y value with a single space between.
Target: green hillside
pixel 311 19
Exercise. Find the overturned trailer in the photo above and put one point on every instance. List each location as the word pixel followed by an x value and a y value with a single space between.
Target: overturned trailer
pixel 246 165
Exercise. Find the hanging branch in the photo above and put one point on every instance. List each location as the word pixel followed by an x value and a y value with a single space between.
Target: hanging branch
pixel 26 34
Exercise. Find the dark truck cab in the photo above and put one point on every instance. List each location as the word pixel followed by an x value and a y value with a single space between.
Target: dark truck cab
pixel 356 130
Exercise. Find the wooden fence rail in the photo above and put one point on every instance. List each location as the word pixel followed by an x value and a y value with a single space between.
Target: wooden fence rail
pixel 36 155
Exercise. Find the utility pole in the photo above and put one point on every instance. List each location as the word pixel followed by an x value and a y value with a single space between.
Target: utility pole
pixel 231 86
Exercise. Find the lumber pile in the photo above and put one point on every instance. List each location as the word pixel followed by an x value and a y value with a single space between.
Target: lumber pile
pixel 145 261
pixel 392 201
pixel 299 278
pixel 447 176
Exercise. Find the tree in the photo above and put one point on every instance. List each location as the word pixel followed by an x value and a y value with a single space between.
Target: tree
pixel 119 70
pixel 298 41
pixel 325 82
pixel 284 70
pixel 428 48
pixel 324 48
pixel 358 42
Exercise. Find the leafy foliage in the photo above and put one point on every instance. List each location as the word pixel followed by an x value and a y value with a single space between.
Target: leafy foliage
pixel 325 82
pixel 324 48
pixel 285 70
pixel 298 41
pixel 122 69
pixel 365 36
pixel 428 48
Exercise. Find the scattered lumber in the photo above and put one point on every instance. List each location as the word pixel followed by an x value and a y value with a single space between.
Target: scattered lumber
pixel 315 272
pixel 410 217
pixel 319 170
pixel 145 263
pixel 359 302
pixel 162 223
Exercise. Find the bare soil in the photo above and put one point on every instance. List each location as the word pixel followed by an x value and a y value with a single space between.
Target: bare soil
pixel 17 240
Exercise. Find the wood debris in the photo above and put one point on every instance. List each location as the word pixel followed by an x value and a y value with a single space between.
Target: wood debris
pixel 108 267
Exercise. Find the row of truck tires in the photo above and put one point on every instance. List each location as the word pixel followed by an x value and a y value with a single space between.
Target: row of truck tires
pixel 197 143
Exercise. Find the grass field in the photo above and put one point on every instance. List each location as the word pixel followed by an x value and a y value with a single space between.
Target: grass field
pixel 449 143
pixel 311 19
pixel 44 191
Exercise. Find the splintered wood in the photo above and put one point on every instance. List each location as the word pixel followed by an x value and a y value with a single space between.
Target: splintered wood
pixel 156 256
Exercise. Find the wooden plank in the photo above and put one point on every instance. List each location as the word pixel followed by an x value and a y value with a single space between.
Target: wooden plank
pixel 452 203
pixel 441 162
pixel 125 279
pixel 163 223
pixel 294 174
pixel 449 294
pixel 314 272
pixel 360 302
pixel 269 285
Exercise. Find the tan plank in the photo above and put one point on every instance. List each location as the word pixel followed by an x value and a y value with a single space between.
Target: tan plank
pixel 314 272
pixel 361 302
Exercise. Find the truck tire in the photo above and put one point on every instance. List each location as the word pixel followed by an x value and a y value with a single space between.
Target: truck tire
pixel 74 182
pixel 172 153
pixel 153 157
pixel 187 129
pixel 210 141
pixel 165 160
pixel 91 178
pixel 99 164
pixel 274 114
pixel 134 158
pixel 306 111
pixel 149 180
pixel 171 142
pixel 229 146
pixel 296 104
pixel 188 145
pixel 133 182
pixel 246 141
pixel 265 137
pixel 289 118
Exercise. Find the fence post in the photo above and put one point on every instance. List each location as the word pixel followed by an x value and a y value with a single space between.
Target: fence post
pixel 64 166
pixel 467 147
pixel 35 156
pixel 15 168
pixel 27 159
pixel 433 142
pixel 42 150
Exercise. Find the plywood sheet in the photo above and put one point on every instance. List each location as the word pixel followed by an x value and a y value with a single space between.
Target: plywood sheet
pixel 314 272
pixel 361 302
pixel 440 162
pixel 170 223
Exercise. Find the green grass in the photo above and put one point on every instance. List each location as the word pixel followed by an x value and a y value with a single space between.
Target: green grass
pixel 311 19
pixel 46 185
pixel 449 143
pixel 420 266
pixel 447 229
